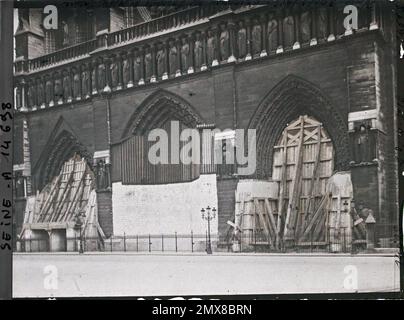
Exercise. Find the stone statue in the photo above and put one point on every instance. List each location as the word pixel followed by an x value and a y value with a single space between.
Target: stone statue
pixel 305 23
pixel 101 175
pixel 65 27
pixel 101 76
pixel 161 63
pixel 288 31
pixel 198 51
pixel 48 91
pixel 256 37
pixel 85 86
pixel 31 94
pixel 137 68
pixel 242 40
pixel 114 73
pixel 322 23
pixel 58 89
pixel 67 87
pixel 224 42
pixel 211 47
pixel 184 54
pixel 76 84
pixel 172 57
pixel 362 144
pixel 148 64
pixel 94 83
pixel 273 42
pixel 40 93
pixel 126 71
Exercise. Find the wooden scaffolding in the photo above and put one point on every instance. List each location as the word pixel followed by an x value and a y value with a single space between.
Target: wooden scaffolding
pixel 308 208
pixel 67 201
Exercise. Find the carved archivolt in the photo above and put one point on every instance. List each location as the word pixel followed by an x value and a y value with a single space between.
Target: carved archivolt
pixel 159 108
pixel 64 146
pixel 289 99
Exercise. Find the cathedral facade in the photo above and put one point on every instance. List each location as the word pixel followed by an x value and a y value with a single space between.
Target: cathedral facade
pixel 319 96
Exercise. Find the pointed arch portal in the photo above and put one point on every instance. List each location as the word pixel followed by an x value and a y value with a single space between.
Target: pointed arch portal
pixel 130 163
pixel 302 164
pixel 288 100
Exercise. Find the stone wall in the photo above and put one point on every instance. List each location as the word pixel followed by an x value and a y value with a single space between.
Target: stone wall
pixel 164 209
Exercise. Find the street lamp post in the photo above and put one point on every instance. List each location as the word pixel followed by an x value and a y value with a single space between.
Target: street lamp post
pixel 208 215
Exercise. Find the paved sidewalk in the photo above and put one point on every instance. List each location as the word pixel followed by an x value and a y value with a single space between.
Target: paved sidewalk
pixel 165 274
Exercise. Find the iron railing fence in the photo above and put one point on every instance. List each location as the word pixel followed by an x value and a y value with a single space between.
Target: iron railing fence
pixel 122 243
pixel 330 241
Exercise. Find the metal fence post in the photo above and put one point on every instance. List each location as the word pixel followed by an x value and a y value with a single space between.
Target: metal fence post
pixel 124 242
pixel 344 241
pixel 162 243
pixel 176 243
pixel 149 243
pixel 110 241
pixel 311 240
pixel 255 240
pixel 269 242
pixel 206 241
pixel 137 243
pixel 192 241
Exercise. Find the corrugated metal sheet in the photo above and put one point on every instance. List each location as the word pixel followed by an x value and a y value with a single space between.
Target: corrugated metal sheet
pixel 130 163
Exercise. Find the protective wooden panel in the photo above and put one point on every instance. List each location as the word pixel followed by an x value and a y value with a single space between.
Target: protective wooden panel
pixel 131 165
pixel 316 157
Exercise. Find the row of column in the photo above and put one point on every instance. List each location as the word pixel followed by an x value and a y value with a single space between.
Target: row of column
pixel 223 42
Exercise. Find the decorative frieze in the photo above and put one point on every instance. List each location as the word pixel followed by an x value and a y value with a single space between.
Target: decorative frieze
pixel 235 38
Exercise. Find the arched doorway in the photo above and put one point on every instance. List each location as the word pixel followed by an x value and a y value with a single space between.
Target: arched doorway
pixel 303 162
pixel 64 211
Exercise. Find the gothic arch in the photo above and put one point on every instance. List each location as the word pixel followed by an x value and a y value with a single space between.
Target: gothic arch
pixel 288 100
pixel 157 109
pixel 61 149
